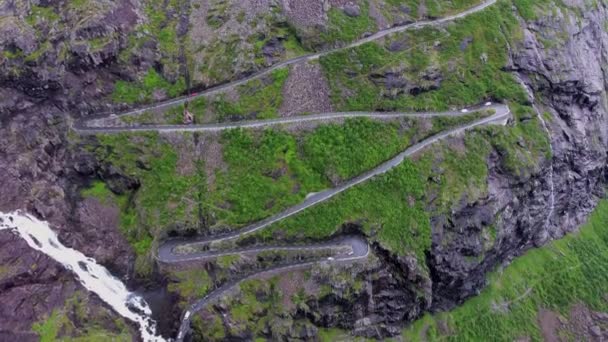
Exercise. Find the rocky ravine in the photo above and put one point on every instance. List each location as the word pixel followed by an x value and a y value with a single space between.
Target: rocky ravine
pixel 41 175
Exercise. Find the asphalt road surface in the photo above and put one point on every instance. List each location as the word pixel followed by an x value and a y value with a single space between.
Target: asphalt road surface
pixel 313 56
pixel 167 252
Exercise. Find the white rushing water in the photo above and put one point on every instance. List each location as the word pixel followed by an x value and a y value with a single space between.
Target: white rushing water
pixel 91 275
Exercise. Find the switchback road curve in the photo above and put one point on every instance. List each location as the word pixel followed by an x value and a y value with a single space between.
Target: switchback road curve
pixel 359 249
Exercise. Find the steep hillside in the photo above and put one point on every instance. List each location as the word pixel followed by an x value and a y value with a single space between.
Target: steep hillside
pixel 438 223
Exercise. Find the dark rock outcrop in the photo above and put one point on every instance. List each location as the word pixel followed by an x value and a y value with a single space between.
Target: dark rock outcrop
pixel 352 10
pixel 398 82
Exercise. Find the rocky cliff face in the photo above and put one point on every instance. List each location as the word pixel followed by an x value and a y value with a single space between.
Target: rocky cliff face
pixel 47 65
pixel 60 53
pixel 563 58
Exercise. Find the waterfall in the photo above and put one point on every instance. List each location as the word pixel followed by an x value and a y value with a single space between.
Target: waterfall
pixel 91 275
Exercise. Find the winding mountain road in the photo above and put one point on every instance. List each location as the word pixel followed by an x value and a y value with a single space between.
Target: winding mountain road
pixel 82 127
pixel 304 58
pixel 500 115
pixel 169 252
pixel 359 250
pixel 172 251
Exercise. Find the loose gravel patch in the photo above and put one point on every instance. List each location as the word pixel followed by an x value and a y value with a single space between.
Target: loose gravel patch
pixel 305 91
pixel 212 153
pixel 186 156
pixel 306 13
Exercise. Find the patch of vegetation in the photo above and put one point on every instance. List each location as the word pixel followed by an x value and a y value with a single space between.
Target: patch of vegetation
pixel 389 207
pixel 142 91
pixel 264 176
pixel 467 55
pixel 344 29
pixel 340 152
pixel 442 123
pixel 434 8
pixel 197 108
pixel 226 261
pixel 230 55
pixel 285 34
pixel 160 180
pixel 175 115
pixel 272 170
pixel 209 330
pixel 217 60
pixel 262 310
pixel 84 8
pixel 141 242
pixel 524 145
pixel 99 42
pixel 49 329
pixel 61 324
pixel 191 284
pixel 40 13
pixel 489 235
pixel 462 172
pixel 171 116
pixel 12 54
pixel 78 3
pixel 344 151
pixel 217 14
pixel 146 117
pixel 36 55
pixel 258 98
pixel 162 27
pixel 256 298
pixel 555 277
pixel 99 190
pixel 291 42
pixel 159 30
pixel 165 199
pixel 5 271
pixel 530 9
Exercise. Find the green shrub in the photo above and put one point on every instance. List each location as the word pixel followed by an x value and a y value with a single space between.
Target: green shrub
pixel 256 99
pixel 137 92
